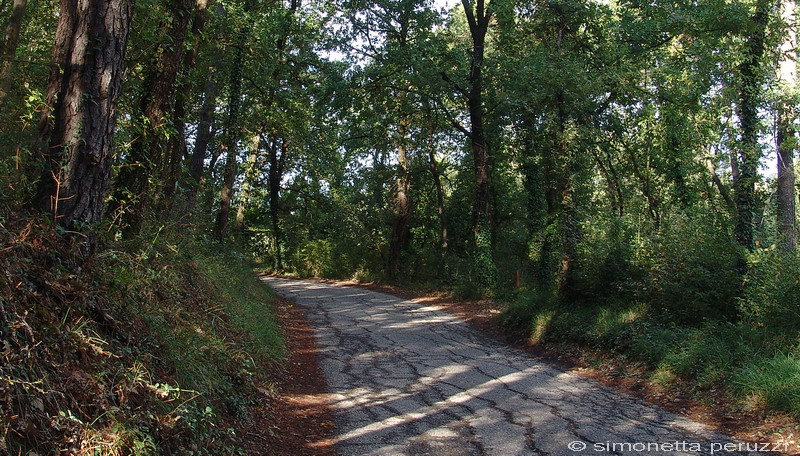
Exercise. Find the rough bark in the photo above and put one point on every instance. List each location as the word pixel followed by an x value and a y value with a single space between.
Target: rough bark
pixel 749 153
pixel 148 155
pixel 10 43
pixel 78 125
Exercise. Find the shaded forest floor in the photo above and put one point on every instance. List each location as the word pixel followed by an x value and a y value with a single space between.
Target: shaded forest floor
pixel 713 407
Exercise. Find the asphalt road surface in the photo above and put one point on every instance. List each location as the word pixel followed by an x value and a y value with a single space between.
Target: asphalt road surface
pixel 407 379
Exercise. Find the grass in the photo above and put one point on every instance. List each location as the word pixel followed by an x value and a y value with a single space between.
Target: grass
pixel 772 383
pixel 745 360
pixel 155 346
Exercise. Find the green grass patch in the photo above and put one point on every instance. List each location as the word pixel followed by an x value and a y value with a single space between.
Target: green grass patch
pixel 739 357
pixel 772 383
pixel 160 343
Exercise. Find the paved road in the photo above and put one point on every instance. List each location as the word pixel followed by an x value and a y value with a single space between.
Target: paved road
pixel 407 379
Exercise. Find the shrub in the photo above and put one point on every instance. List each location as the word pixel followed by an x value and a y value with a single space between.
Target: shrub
pixel 693 270
pixel 771 297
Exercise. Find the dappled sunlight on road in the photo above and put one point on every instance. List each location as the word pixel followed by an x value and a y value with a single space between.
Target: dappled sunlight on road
pixel 410 379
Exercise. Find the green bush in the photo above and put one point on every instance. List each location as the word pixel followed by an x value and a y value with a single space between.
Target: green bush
pixel 693 269
pixel 771 297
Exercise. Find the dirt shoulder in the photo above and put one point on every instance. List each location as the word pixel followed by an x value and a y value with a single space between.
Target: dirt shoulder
pixel 297 419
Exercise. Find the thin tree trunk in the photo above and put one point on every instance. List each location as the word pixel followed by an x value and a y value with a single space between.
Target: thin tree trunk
pixel 723 191
pixel 232 133
pixel 787 197
pixel 786 137
pixel 402 203
pixel 202 140
pixel 148 156
pixel 250 172
pixel 612 183
pixel 749 153
pixel 10 43
pixel 277 164
pixel 78 125
pixel 437 184
pixel 177 150
pixel 653 203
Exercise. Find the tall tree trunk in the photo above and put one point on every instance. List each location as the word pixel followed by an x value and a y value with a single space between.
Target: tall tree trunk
pixel 437 183
pixel 250 172
pixel 148 155
pixel 78 125
pixel 787 216
pixel 10 43
pixel 570 231
pixel 478 19
pixel 232 133
pixel 786 137
pixel 749 153
pixel 277 165
pixel 402 202
pixel 177 150
pixel 202 139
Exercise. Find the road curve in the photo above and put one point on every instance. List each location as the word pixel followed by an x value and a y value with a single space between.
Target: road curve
pixel 408 379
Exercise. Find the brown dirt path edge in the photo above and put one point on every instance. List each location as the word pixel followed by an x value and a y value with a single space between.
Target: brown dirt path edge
pixel 297 420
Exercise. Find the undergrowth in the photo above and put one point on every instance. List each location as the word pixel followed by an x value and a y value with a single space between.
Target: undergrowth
pixel 748 361
pixel 141 349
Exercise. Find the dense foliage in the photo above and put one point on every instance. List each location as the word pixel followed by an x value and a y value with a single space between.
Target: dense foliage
pixel 575 158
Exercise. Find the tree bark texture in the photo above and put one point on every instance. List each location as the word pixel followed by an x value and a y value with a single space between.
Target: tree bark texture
pixel 10 43
pixel 148 158
pixel 78 125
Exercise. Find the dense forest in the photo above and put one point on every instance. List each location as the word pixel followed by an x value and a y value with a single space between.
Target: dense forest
pixel 621 173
